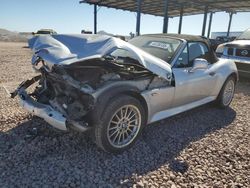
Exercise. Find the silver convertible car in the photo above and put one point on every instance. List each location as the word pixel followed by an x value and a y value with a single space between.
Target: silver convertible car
pixel 112 88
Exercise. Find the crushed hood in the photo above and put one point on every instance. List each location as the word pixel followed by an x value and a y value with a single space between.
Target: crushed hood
pixel 68 49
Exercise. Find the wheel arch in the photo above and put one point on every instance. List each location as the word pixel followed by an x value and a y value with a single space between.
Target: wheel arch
pixel 219 99
pixel 141 99
pixel 108 95
pixel 235 75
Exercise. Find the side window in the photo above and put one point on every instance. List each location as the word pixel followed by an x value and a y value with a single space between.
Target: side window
pixel 197 50
pixel 182 60
pixel 192 51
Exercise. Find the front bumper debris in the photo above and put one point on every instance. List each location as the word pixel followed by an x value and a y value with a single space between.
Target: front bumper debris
pixel 46 112
pixel 43 111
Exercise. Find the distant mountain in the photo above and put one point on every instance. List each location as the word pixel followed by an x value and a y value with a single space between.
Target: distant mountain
pixel 11 36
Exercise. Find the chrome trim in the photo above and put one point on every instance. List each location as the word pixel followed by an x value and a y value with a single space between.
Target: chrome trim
pixel 236 59
pixel 244 71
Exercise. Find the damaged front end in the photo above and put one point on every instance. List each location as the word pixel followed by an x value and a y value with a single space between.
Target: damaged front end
pixel 44 111
pixel 59 103
pixel 69 90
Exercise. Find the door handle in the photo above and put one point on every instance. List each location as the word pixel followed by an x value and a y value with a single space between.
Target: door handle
pixel 212 73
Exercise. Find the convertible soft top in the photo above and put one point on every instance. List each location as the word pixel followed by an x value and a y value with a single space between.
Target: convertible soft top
pixel 189 38
pixel 68 49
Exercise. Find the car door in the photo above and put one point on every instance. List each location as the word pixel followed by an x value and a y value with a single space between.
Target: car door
pixel 196 85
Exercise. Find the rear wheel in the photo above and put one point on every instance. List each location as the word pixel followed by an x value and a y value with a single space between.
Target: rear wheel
pixel 120 124
pixel 227 93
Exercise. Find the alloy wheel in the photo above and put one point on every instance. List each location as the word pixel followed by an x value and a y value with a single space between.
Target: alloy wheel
pixel 124 126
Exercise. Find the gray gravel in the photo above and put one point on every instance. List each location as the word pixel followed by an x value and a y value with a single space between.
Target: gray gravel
pixel 203 147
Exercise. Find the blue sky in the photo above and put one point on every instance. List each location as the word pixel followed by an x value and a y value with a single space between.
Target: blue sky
pixel 68 16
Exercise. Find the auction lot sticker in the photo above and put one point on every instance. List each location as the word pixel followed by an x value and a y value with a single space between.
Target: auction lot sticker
pixel 161 45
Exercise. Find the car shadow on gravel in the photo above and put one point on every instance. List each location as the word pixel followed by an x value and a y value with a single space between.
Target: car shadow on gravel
pixel 178 132
pixel 243 87
pixel 35 154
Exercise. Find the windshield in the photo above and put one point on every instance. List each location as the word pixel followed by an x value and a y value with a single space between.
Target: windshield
pixel 245 35
pixel 43 32
pixel 163 48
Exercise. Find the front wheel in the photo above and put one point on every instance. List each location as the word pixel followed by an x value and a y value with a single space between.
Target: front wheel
pixel 227 93
pixel 120 124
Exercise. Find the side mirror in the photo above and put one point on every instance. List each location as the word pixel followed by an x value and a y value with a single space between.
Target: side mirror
pixel 199 64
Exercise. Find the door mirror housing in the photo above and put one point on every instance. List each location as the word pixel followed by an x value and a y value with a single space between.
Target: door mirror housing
pixel 199 64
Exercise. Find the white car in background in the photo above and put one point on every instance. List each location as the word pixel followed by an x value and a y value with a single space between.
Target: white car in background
pixel 45 32
pixel 238 51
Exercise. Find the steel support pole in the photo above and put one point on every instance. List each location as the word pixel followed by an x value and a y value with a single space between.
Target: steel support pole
pixel 95 18
pixel 204 21
pixel 210 24
pixel 165 20
pixel 180 20
pixel 229 24
pixel 138 19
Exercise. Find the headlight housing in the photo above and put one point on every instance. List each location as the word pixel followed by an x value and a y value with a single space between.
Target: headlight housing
pixel 220 49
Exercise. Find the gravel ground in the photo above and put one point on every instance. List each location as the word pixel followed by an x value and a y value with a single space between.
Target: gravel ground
pixel 203 147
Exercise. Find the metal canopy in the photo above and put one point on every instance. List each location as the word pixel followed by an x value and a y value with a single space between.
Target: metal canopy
pixel 174 8
pixel 191 7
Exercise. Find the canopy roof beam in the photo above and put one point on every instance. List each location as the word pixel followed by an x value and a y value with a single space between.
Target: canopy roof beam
pixel 210 24
pixel 180 20
pixel 173 8
pixel 191 7
pixel 138 18
pixel 95 18
pixel 230 22
pixel 166 18
pixel 204 21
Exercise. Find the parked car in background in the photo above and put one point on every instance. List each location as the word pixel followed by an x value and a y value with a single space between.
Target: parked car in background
pixel 223 39
pixel 86 32
pixel 220 40
pixel 238 51
pixel 40 32
pixel 114 88
pixel 45 32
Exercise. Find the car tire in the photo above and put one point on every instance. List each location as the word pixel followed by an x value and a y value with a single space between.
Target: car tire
pixel 120 125
pixel 226 94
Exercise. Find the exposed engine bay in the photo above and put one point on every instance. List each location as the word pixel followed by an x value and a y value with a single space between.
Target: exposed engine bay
pixel 72 89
